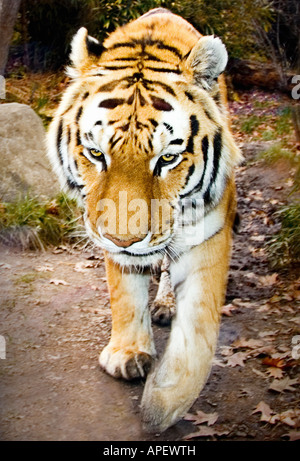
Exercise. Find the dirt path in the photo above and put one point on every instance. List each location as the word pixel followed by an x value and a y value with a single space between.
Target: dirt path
pixel 55 318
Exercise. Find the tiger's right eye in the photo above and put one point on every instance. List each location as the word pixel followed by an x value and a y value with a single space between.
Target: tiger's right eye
pixel 96 153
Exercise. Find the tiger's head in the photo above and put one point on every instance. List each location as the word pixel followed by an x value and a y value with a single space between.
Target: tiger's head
pixel 141 134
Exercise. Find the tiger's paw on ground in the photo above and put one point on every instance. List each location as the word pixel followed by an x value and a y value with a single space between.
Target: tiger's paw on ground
pixel 161 408
pixel 162 312
pixel 125 363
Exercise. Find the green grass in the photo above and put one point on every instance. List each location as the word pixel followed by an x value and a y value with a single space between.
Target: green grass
pixel 283 125
pixel 275 153
pixel 284 248
pixel 269 135
pixel 251 123
pixel 268 126
pixel 41 103
pixel 33 223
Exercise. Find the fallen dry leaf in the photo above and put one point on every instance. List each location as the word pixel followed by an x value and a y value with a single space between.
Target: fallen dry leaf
pixel 247 343
pixel 264 308
pixel 293 435
pixel 201 417
pixel 285 384
pixel 83 266
pixel 268 280
pixel 264 334
pixel 295 320
pixel 237 359
pixel 59 282
pixel 226 351
pixel 258 238
pixel 46 268
pixel 296 295
pixel 4 266
pixel 290 417
pixel 275 299
pixel 250 275
pixel 95 288
pixel 275 372
pixel 227 309
pixel 205 431
pixel 265 410
pixel 274 362
pixel 80 267
pixel 265 350
pixel 218 363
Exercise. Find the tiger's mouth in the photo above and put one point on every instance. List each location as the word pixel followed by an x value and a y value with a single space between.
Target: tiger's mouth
pixel 137 249
pixel 140 249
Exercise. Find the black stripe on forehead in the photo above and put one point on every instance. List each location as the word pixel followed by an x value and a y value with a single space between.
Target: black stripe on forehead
pixel 189 96
pixel 165 70
pixel 111 103
pixel 177 141
pixel 148 84
pixel 161 104
pixel 164 46
pixel 194 125
pixel 122 45
pixel 147 41
pixel 132 80
pixel 109 86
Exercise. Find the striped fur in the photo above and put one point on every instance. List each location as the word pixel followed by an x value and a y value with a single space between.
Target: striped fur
pixel 144 122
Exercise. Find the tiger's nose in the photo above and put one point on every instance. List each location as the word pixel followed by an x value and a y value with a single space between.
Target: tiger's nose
pixel 122 243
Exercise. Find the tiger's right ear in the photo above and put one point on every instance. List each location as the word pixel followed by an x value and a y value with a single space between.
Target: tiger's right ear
pixel 207 60
pixel 84 50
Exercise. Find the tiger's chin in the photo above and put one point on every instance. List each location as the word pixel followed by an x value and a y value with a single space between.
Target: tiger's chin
pixel 126 258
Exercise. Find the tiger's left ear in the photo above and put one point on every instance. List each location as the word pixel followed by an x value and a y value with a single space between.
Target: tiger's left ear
pixel 84 50
pixel 207 60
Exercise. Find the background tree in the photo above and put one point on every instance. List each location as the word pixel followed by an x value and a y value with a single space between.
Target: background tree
pixel 50 24
pixel 8 15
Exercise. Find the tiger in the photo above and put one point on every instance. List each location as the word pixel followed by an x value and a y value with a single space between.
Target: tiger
pixel 142 135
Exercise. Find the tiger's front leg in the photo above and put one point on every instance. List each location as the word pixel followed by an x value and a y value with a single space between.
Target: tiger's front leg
pixel 130 351
pixel 199 280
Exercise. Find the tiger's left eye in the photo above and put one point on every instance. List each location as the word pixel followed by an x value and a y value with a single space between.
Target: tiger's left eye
pixel 96 153
pixel 168 158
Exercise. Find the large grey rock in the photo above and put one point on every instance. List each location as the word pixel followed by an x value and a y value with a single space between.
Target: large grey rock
pixel 24 166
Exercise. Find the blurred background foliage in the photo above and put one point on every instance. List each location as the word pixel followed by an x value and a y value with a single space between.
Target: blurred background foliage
pixel 259 29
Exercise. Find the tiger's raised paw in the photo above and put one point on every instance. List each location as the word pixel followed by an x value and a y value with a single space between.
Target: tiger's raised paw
pixel 162 312
pixel 125 363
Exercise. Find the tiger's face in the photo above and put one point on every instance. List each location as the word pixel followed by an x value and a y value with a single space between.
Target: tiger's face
pixel 133 206
pixel 141 135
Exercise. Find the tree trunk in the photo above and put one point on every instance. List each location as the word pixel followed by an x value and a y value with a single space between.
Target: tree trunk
pixel 8 15
pixel 246 74
pixel 296 108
